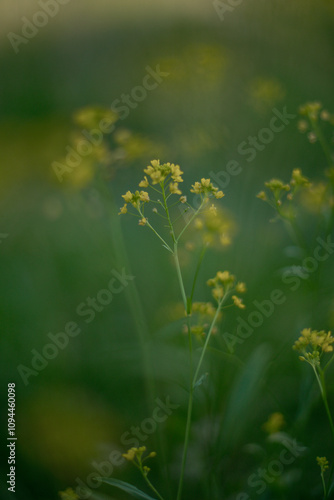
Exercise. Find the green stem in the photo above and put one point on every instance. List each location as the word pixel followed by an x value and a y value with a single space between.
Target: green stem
pixel 321 381
pixel 191 396
pixel 179 275
pixel 324 485
pixel 150 484
pixel 208 337
pixel 200 260
pixel 186 439
pixel 191 219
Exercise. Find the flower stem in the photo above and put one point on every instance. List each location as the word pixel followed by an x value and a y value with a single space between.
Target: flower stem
pixel 191 395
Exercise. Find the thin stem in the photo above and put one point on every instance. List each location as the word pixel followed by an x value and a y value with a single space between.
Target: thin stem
pixel 201 257
pixel 191 396
pixel 179 275
pixel 208 338
pixel 325 400
pixel 150 484
pixel 186 441
pixel 321 382
pixel 158 235
pixel 191 219
pixel 324 485
pixel 167 211
pixel 189 415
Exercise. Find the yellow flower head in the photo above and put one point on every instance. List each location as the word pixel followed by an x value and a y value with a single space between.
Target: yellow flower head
pixel 274 423
pixel 142 221
pixel 240 288
pixel 130 454
pixel 158 173
pixel 238 302
pixel 128 197
pixel 206 188
pixel 298 179
pixel 323 463
pixel 123 209
pixel 144 183
pixel 174 188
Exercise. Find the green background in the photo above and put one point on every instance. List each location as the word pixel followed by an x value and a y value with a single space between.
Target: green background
pixel 226 76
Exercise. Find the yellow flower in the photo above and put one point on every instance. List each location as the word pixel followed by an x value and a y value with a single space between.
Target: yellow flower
pixel 183 199
pixel 262 195
pixel 128 196
pixel 130 454
pixel 143 221
pixel 219 194
pixel 238 302
pixel 240 288
pixel 123 209
pixel 144 183
pixel 323 463
pixel 143 196
pixel 298 179
pixel 174 189
pixel 274 423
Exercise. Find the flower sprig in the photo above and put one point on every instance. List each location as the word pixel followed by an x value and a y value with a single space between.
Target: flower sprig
pixel 278 192
pixel 163 179
pixel 135 455
pixel 323 464
pixel 225 282
pixel 312 344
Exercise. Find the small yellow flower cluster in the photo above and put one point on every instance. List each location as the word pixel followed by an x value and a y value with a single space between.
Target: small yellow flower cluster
pixel 323 463
pixel 312 343
pixel 224 281
pixel 136 199
pixel 159 173
pixel 215 227
pixel 311 109
pixel 277 189
pixel 238 302
pixel 68 494
pixel 274 423
pixel 206 188
pixel 277 185
pixel 317 198
pixel 205 308
pixel 205 312
pixel 297 179
pixel 134 455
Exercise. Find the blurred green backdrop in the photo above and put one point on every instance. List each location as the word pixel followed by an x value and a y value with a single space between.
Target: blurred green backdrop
pixel 64 239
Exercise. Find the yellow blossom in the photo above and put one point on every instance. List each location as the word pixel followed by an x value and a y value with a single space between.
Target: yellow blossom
pixel 143 196
pixel 240 288
pixel 128 196
pixel 274 423
pixel 144 182
pixel 238 302
pixel 130 454
pixel 123 209
pixel 143 221
pixel 262 195
pixel 323 463
pixel 174 189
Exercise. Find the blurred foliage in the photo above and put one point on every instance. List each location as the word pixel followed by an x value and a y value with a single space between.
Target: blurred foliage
pixel 65 238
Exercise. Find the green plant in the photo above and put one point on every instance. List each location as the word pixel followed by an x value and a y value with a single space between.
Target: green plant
pixel 163 180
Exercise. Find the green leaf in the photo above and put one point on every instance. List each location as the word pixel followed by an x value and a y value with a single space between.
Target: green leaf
pixel 128 488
